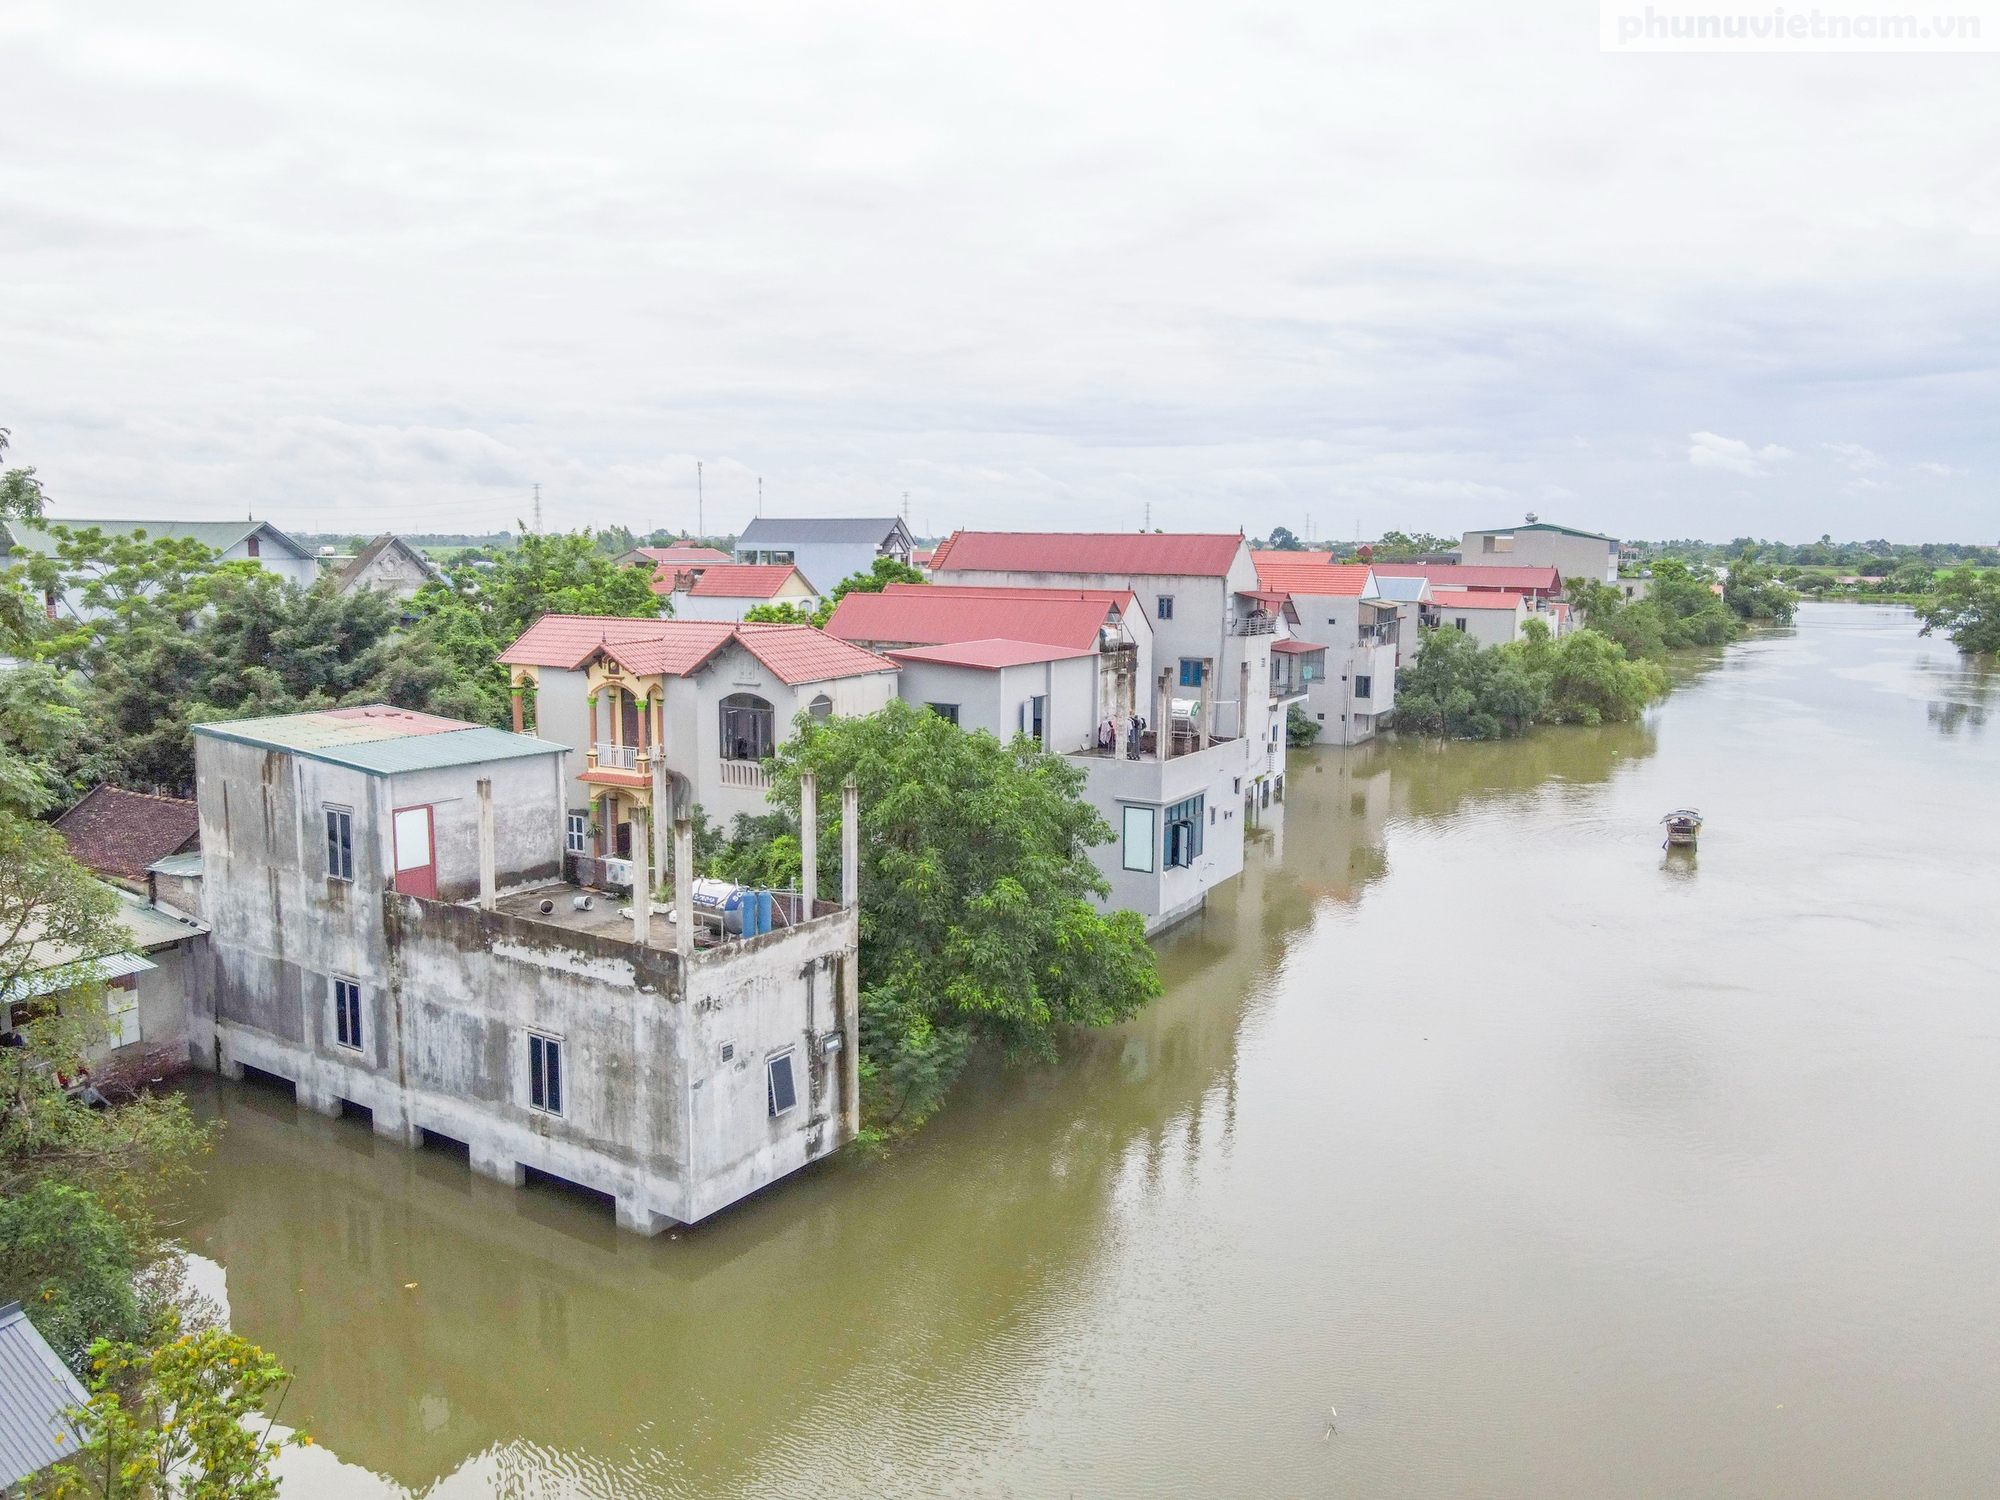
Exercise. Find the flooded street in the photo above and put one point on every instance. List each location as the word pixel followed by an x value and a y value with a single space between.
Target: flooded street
pixel 1557 1165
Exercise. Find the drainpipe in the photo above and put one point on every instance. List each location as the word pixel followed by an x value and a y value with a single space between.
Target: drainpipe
pixel 683 890
pixel 489 885
pixel 808 841
pixel 850 844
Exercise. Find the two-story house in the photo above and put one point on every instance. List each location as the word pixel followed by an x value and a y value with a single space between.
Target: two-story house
pixel 1538 543
pixel 1340 609
pixel 827 549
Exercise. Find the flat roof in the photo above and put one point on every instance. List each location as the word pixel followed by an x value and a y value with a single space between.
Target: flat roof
pixel 381 740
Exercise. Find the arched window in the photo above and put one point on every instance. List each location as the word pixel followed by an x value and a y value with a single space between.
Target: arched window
pixel 821 707
pixel 746 727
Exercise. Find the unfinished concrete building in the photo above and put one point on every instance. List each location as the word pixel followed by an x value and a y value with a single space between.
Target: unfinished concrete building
pixel 389 931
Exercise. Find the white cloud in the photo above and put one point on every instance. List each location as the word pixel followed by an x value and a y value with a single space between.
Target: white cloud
pixel 1940 471
pixel 1708 451
pixel 1854 456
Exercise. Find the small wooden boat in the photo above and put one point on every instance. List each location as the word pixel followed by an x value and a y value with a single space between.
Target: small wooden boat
pixel 1683 824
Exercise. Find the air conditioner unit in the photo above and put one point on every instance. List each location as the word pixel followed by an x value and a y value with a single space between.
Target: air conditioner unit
pixel 617 872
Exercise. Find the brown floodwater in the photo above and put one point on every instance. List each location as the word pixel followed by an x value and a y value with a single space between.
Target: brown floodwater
pixel 1558 1165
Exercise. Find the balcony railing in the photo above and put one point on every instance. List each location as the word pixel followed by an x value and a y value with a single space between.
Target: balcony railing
pixel 1379 635
pixel 748 774
pixel 616 757
pixel 1255 623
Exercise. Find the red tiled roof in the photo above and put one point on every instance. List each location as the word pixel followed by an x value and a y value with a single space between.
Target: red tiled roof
pixel 744 581
pixel 1147 553
pixel 1315 580
pixel 1294 648
pixel 116 832
pixel 1260 558
pixel 921 557
pixel 799 653
pixel 1123 598
pixel 990 654
pixel 1474 599
pixel 1462 576
pixel 928 615
pixel 1267 596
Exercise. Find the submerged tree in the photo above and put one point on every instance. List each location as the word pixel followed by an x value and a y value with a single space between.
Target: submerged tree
pixel 1966 607
pixel 976 878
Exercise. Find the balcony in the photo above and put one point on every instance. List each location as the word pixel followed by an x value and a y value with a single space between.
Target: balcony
pixel 1257 622
pixel 1379 635
pixel 615 757
pixel 749 775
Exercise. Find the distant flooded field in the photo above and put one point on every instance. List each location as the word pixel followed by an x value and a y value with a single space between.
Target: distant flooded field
pixel 1557 1165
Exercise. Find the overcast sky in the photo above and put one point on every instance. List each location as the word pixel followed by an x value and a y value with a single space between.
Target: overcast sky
pixel 1427 265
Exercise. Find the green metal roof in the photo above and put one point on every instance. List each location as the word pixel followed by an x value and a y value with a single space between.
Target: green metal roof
pixel 221 535
pixel 381 746
pixel 1595 536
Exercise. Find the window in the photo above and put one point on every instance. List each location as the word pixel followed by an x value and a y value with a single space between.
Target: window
pixel 252 546
pixel 416 852
pixel 1038 708
pixel 1138 838
pixel 946 711
pixel 1190 672
pixel 545 1080
pixel 1364 687
pixel 576 833
pixel 1183 836
pixel 339 844
pixel 746 727
pixel 780 1090
pixel 1165 606
pixel 1459 622
pixel 821 707
pixel 347 1013
pixel 729 1052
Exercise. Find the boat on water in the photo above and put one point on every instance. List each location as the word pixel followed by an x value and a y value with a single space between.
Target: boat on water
pixel 1683 824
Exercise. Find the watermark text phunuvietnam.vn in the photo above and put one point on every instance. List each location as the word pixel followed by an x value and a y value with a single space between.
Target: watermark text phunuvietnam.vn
pixel 1626 26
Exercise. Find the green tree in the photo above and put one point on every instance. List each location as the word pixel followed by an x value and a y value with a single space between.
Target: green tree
pixel 482 603
pixel 54 917
pixel 885 571
pixel 69 1262
pixel 1585 677
pixel 1300 729
pixel 181 1419
pixel 1680 611
pixel 1754 592
pixel 1966 607
pixel 1455 689
pixel 976 919
pixel 783 612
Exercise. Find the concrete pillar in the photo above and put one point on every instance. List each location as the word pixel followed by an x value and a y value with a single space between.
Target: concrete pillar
pixel 226 1065
pixel 489 1160
pixel 319 1101
pixel 393 1123
pixel 850 1038
pixel 850 844
pixel 520 719
pixel 639 1219
pixel 683 890
pixel 1163 715
pixel 809 839
pixel 1208 691
pixel 1243 719
pixel 662 803
pixel 642 880
pixel 489 883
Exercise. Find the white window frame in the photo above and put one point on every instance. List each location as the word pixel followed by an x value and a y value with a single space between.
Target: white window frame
pixel 360 1038
pixel 576 832
pixel 1144 850
pixel 540 1077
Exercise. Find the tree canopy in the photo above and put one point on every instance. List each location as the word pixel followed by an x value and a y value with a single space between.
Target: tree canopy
pixel 976 919
pixel 1966 608
pixel 1459 689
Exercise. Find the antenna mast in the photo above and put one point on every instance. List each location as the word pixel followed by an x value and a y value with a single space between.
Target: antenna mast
pixel 760 497
pixel 1148 524
pixel 538 510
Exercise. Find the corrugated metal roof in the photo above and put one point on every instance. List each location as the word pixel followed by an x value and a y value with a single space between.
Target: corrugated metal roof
pixel 381 740
pixel 36 1388
pixel 1141 553
pixel 990 655
pixel 78 971
pixel 775 531
pixel 180 865
pixel 1471 599
pixel 1593 536
pixel 149 927
pixel 1295 648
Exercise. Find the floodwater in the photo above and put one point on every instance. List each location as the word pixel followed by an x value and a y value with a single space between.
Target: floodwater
pixel 1557 1165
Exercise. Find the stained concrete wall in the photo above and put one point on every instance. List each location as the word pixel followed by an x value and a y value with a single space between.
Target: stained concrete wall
pixel 651 1115
pixel 1219 773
